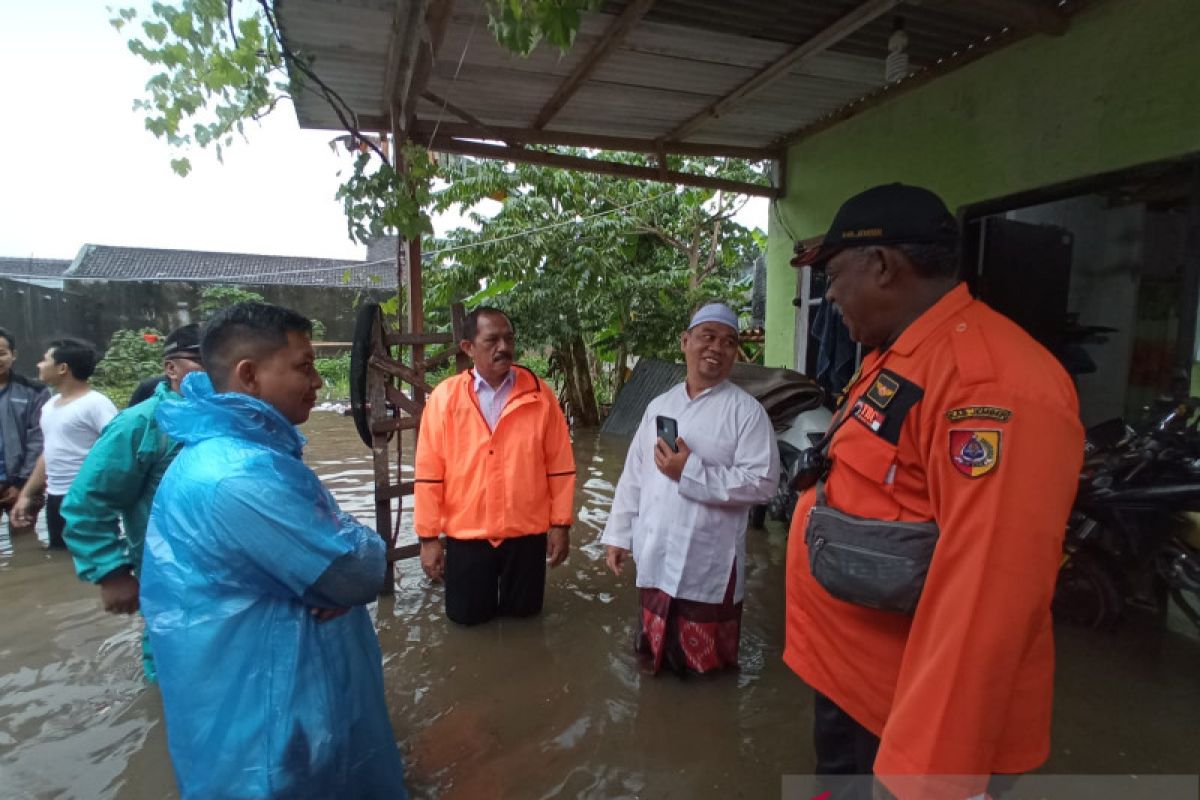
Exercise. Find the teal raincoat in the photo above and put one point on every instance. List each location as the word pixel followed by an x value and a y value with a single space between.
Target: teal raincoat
pixel 115 489
pixel 260 699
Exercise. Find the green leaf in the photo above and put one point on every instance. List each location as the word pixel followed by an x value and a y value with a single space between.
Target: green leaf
pixel 182 166
pixel 181 26
pixel 155 30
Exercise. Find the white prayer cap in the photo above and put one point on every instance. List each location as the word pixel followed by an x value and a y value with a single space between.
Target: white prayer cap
pixel 715 312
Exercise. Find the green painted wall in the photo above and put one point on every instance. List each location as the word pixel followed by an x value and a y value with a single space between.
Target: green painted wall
pixel 1121 88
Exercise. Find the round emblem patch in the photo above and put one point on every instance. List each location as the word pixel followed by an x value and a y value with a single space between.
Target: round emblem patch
pixel 974 452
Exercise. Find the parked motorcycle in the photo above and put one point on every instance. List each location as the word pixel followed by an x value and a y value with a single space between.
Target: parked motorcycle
pixel 1133 538
pixel 800 433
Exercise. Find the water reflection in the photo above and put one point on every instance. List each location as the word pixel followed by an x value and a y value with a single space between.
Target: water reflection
pixel 556 706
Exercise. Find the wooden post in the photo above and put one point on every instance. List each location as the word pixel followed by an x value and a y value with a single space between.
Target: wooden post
pixel 458 323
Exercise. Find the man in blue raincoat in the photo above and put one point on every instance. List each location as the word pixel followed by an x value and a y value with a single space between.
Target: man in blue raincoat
pixel 254 584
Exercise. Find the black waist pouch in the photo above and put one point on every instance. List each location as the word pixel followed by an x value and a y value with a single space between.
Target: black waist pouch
pixel 869 562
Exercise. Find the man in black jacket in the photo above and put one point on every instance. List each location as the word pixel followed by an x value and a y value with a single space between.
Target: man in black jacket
pixel 21 403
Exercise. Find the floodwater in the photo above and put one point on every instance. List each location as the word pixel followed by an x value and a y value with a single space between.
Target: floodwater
pixel 556 706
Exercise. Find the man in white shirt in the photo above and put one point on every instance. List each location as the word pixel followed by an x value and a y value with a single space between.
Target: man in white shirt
pixel 71 422
pixel 682 512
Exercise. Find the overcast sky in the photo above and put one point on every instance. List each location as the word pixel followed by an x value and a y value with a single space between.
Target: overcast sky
pixel 79 167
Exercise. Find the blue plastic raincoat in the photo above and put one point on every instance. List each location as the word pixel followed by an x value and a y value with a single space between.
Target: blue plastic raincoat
pixel 260 699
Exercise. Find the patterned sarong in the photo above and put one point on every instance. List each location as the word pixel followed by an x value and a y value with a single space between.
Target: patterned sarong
pixel 688 635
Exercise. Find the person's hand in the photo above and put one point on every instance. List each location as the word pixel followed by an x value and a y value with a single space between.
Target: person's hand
pixel 326 614
pixel 9 495
pixel 24 511
pixel 558 543
pixel 615 557
pixel 119 592
pixel 670 463
pixel 433 558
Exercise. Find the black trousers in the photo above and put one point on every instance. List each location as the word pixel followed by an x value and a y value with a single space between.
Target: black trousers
pixel 846 748
pixel 55 524
pixel 483 582
pixel 843 746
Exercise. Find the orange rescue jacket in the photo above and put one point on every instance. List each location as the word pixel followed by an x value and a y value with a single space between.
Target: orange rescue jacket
pixel 473 483
pixel 965 420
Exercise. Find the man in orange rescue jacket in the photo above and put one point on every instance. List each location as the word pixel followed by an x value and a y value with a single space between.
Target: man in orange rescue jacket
pixel 920 570
pixel 495 473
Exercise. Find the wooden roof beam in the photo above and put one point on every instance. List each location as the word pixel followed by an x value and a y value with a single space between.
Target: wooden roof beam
pixel 618 29
pixel 481 128
pixel 848 24
pixel 519 154
pixel 424 129
pixel 407 22
pixel 418 28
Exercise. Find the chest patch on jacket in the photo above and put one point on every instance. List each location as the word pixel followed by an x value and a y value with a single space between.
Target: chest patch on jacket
pixel 883 390
pixel 886 404
pixel 868 415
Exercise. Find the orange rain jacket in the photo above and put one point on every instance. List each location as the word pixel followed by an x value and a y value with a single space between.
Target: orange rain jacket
pixel 965 420
pixel 473 483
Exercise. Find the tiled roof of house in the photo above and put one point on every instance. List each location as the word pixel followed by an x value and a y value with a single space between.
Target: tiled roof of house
pixel 103 262
pixel 34 267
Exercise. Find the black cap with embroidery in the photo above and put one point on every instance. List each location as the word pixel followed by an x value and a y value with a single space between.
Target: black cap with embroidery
pixel 183 341
pixel 894 213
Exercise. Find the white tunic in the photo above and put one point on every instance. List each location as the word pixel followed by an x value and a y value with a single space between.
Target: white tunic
pixel 687 536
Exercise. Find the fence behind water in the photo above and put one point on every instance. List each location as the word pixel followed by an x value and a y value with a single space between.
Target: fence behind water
pixel 36 315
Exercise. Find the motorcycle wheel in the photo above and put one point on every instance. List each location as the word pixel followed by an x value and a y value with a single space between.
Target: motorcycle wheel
pixel 360 355
pixel 1088 592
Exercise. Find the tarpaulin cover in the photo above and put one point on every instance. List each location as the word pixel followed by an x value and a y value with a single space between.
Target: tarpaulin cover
pixel 260 699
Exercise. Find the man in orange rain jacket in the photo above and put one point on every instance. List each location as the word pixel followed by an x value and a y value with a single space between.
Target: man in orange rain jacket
pixel 495 473
pixel 958 448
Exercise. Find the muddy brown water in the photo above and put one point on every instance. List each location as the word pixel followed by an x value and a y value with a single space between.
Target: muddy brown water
pixel 556 706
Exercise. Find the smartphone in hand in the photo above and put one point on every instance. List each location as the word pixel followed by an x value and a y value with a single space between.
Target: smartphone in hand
pixel 668 431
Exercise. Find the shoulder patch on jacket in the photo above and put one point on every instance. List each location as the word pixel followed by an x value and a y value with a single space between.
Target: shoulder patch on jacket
pixel 979 412
pixel 974 452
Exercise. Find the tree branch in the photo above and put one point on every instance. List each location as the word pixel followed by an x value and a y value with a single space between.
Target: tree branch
pixel 711 265
pixel 341 108
pixel 232 27
pixel 661 234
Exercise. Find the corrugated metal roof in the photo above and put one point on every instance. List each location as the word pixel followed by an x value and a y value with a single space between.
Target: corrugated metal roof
pixel 677 60
pixel 651 377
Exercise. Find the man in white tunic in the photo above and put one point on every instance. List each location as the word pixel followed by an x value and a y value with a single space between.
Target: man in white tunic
pixel 683 514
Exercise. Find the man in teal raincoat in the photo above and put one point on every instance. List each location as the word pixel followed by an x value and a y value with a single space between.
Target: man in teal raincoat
pixel 254 585
pixel 115 488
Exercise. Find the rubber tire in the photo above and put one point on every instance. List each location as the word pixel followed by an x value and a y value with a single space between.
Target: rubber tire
pixel 1091 572
pixel 360 357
